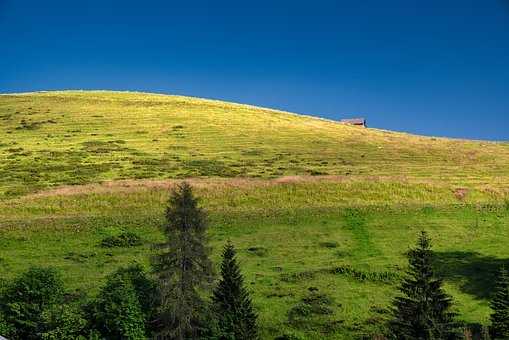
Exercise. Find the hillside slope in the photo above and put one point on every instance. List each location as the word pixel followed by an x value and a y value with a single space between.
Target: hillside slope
pixel 75 137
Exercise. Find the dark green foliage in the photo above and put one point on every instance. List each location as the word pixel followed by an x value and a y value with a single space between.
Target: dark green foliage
pixel 208 167
pixel 311 305
pixel 5 328
pixel 127 239
pixel 231 301
pixel 64 322
pixel 27 298
pixel 258 251
pixel 129 295
pixel 423 311
pixel 359 275
pixel 80 257
pixel 183 266
pixel 500 306
pixel 117 311
pixel 288 337
pixel 145 289
pixel 27 125
pixel 98 147
pixel 315 312
pixel 329 244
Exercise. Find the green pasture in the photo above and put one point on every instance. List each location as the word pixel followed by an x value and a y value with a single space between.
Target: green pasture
pixel 344 240
pixel 76 137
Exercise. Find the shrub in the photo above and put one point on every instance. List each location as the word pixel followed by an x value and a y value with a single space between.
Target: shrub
pixel 144 287
pixel 329 244
pixel 117 313
pixel 126 239
pixel 5 328
pixel 317 300
pixel 313 304
pixel 300 310
pixel 258 251
pixel 64 322
pixel 28 125
pixel 288 336
pixel 28 297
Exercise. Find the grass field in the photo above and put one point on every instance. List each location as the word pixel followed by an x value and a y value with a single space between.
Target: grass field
pixel 73 137
pixel 345 238
pixel 310 204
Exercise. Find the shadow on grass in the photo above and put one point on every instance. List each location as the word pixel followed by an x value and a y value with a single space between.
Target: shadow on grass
pixel 474 273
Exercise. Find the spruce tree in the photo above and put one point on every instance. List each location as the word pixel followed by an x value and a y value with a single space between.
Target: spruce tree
pixel 423 311
pixel 183 266
pixel 231 302
pixel 500 305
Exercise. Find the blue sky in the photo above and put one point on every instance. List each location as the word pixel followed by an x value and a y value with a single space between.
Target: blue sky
pixel 428 67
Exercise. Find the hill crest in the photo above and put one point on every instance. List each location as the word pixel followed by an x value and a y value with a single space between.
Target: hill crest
pixel 76 137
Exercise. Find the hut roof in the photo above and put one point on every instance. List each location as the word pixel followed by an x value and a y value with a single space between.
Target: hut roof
pixel 354 121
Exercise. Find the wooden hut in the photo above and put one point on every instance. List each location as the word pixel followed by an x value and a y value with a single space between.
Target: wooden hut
pixel 354 121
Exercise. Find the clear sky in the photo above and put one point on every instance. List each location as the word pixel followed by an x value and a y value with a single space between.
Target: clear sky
pixel 434 67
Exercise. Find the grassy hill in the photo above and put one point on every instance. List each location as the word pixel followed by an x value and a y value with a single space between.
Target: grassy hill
pixel 76 137
pixel 345 239
pixel 309 203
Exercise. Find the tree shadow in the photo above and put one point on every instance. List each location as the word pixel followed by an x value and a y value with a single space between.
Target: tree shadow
pixel 474 273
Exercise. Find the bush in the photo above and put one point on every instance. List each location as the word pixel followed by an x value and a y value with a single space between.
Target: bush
pixel 288 337
pixel 127 239
pixel 64 322
pixel 258 251
pixel 144 287
pixel 5 328
pixel 313 305
pixel 26 299
pixel 126 305
pixel 117 313
pixel 329 244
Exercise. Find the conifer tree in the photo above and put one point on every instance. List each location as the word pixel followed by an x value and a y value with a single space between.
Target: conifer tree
pixel 423 311
pixel 183 266
pixel 500 305
pixel 231 302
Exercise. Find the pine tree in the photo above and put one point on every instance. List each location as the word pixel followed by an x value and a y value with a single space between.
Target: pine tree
pixel 423 310
pixel 231 302
pixel 500 306
pixel 183 266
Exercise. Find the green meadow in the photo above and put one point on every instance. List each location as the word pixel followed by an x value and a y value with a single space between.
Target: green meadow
pixel 292 238
pixel 78 137
pixel 310 204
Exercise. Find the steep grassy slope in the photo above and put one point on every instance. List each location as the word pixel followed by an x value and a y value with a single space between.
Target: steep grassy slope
pixel 75 137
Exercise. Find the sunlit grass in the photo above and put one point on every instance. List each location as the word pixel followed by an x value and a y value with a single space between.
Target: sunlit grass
pixel 346 239
pixel 309 203
pixel 76 137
